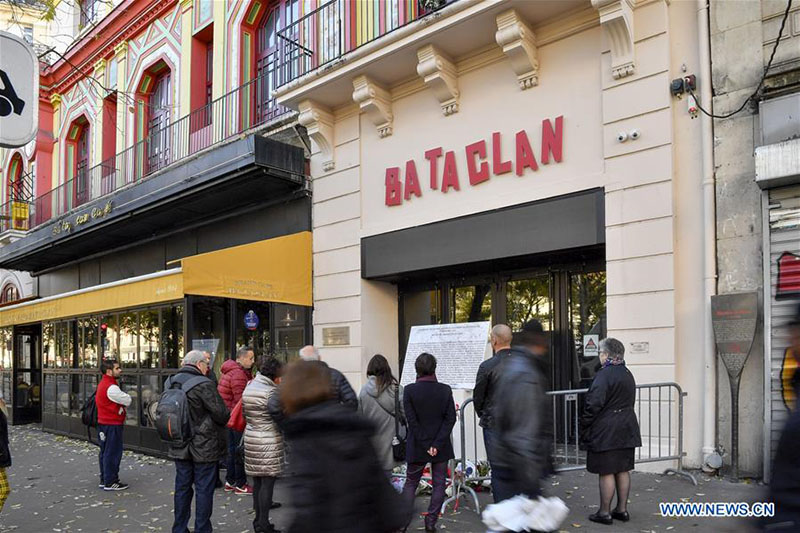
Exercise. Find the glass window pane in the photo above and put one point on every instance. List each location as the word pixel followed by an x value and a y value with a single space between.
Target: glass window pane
pixel 62 390
pixel 48 344
pixel 128 383
pixel 149 328
pixel 210 329
pixel 6 345
pixel 528 299
pixel 49 393
pixel 587 305
pixel 252 324
pixel 128 337
pixel 75 395
pixel 471 304
pixel 172 336
pixel 109 337
pixel 290 330
pixel 151 388
pixel 89 385
pixel 89 344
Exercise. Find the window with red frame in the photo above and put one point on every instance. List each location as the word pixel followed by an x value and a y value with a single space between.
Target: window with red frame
pixel 10 293
pixel 81 185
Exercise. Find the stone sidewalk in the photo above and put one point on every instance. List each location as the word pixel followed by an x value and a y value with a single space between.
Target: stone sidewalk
pixel 54 489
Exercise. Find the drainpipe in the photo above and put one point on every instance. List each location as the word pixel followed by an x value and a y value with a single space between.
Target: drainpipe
pixel 709 241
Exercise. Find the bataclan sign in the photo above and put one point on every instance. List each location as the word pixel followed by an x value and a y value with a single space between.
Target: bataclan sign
pixel 401 187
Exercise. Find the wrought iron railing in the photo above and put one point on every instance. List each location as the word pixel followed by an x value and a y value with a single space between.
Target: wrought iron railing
pixel 338 27
pixel 244 108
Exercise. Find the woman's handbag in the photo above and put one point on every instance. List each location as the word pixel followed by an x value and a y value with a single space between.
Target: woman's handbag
pixel 236 421
pixel 398 442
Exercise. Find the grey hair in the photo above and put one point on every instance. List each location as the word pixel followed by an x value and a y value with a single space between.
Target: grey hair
pixel 309 353
pixel 243 351
pixel 615 349
pixel 194 357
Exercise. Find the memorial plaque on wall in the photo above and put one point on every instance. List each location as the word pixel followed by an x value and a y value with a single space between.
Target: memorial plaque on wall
pixel 337 336
pixel 459 350
pixel 734 318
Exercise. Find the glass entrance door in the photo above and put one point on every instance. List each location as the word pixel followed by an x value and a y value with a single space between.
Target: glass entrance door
pixel 27 374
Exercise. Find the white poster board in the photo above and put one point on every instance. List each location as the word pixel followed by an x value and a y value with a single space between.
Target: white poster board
pixel 459 350
pixel 591 345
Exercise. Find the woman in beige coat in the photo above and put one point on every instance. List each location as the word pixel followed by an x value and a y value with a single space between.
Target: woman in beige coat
pixel 263 442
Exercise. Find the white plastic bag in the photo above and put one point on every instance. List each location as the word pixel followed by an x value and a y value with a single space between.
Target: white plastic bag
pixel 520 513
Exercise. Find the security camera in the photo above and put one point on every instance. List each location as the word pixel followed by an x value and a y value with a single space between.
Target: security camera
pixel 622 137
pixel 634 134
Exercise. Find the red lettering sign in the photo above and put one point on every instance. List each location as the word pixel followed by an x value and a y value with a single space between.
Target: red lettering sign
pixel 394 191
pixel 477 149
pixel 402 188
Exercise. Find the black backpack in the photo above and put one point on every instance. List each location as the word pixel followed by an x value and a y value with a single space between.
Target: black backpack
pixel 89 412
pixel 172 413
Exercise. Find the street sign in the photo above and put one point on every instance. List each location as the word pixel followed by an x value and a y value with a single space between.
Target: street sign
pixel 19 91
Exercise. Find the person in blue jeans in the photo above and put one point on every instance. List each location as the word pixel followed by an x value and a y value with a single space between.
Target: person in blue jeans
pixel 484 399
pixel 195 463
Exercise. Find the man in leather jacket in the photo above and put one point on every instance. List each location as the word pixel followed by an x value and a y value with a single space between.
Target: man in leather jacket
pixel 485 393
pixel 195 463
pixel 521 416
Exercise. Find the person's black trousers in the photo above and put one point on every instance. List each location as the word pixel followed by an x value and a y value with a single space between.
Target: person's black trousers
pixel 263 489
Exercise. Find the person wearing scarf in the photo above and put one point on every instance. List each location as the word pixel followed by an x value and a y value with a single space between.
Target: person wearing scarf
pixel 610 431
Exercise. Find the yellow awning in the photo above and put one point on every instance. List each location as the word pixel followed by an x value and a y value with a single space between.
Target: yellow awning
pixel 157 289
pixel 274 270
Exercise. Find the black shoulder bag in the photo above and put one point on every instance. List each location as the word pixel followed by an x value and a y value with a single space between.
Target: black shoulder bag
pixel 398 442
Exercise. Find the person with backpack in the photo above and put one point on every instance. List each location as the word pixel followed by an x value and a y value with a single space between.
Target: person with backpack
pixel 191 419
pixel 235 377
pixel 111 402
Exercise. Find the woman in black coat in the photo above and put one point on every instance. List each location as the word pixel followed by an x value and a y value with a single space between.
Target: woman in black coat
pixel 337 483
pixel 431 415
pixel 610 431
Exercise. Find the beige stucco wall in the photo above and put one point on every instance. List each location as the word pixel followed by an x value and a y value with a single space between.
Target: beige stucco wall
pixel 652 185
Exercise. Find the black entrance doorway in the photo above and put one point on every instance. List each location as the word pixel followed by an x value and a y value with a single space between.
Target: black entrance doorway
pixel 27 374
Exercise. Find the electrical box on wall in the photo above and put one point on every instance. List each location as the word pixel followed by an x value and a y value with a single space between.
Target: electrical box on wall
pixel 780 119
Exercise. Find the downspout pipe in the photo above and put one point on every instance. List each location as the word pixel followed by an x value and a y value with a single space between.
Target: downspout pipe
pixel 709 236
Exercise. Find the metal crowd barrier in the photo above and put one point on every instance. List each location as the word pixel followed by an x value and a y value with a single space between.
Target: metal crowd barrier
pixel 659 409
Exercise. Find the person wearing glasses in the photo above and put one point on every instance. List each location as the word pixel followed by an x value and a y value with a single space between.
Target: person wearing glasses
pixel 610 431
pixel 195 464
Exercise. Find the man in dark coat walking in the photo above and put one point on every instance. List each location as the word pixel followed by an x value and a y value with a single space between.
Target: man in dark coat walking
pixel 784 489
pixel 431 415
pixel 484 395
pixel 521 448
pixel 195 463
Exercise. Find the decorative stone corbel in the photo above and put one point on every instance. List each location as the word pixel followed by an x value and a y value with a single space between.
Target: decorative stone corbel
pixel 376 102
pixel 616 18
pixel 318 122
pixel 440 75
pixel 518 42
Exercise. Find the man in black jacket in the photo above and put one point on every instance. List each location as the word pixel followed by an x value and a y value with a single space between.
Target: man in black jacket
pixel 486 389
pixel 195 464
pixel 521 448
pixel 342 391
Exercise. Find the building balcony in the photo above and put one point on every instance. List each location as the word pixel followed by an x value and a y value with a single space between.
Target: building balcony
pixel 247 108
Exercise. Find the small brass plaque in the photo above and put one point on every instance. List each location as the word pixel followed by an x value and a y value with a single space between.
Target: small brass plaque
pixel 338 336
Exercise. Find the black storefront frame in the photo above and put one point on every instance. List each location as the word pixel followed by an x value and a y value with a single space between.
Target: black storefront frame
pixel 136 437
pixel 561 375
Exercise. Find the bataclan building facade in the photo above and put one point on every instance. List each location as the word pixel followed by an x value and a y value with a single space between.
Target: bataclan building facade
pixel 506 160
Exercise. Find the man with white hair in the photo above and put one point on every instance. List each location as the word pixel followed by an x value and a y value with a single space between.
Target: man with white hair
pixel 342 390
pixel 195 463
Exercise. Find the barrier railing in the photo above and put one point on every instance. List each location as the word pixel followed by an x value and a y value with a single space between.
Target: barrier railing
pixel 659 409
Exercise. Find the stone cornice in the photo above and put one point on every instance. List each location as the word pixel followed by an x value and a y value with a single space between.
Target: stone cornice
pixel 318 121
pixel 376 102
pixel 440 76
pixel 616 18
pixel 518 42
